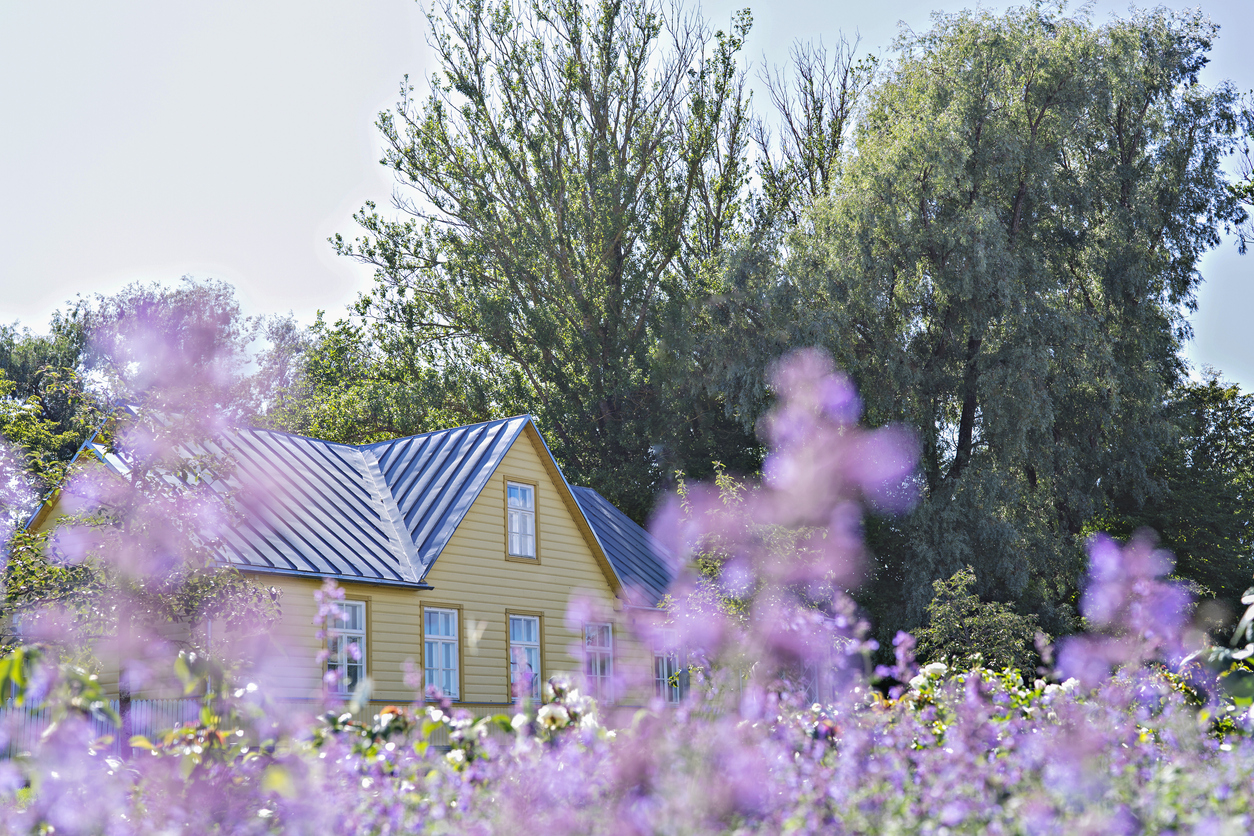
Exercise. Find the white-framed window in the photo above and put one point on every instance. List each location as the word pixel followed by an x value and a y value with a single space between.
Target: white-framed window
pixel 521 518
pixel 666 675
pixel 666 669
pixel 346 646
pixel 524 651
pixel 440 657
pixel 598 653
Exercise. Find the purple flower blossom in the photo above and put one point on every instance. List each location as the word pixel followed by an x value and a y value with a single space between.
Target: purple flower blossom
pixel 780 730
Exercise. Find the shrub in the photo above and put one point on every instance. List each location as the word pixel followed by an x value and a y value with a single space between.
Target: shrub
pixel 966 631
pixel 1131 735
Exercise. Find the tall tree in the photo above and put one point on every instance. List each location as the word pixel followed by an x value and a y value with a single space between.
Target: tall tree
pixel 1004 266
pixel 1203 509
pixel 47 410
pixel 573 169
pixel 815 110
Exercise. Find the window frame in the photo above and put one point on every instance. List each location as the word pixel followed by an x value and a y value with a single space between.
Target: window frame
pixel 535 520
pixel 509 651
pixel 600 687
pixel 665 652
pixel 341 685
pixel 457 638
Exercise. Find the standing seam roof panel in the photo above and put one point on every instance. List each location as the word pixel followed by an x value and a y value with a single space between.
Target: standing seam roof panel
pixel 280 515
pixel 638 557
pixel 440 478
pixel 463 455
pixel 314 494
pixel 311 529
pixel 461 502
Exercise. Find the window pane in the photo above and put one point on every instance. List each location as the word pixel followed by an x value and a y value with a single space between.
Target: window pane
pixel 521 496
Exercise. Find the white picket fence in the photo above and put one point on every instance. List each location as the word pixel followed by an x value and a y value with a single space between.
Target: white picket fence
pixel 22 727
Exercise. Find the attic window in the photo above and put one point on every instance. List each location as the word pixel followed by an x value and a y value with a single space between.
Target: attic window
pixel 521 519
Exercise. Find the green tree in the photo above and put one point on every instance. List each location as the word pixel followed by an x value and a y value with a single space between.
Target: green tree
pixel 1004 266
pixel 963 630
pixel 1203 509
pixel 573 171
pixel 47 410
pixel 336 382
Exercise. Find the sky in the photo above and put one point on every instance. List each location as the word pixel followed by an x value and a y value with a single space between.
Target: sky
pixel 144 140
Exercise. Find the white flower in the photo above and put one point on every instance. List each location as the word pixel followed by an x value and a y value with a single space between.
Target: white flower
pixel 519 721
pixel 1071 684
pixel 580 704
pixel 553 716
pixel 918 682
pixel 456 757
pixel 935 670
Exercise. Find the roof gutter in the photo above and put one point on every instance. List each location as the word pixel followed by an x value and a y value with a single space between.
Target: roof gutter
pixel 298 573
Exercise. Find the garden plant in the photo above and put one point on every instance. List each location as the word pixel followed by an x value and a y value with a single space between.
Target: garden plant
pixel 788 725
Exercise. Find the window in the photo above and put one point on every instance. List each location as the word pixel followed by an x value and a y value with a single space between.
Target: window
pixel 598 649
pixel 524 651
pixel 666 670
pixel 346 647
pixel 521 519
pixel 666 675
pixel 440 658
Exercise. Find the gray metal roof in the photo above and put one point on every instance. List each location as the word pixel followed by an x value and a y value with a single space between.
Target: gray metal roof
pixel 379 513
pixel 383 512
pixel 643 564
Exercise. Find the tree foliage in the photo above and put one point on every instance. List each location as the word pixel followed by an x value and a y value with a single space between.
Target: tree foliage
pixel 571 173
pixel 1203 510
pixel 964 630
pixel 1004 265
pixel 47 410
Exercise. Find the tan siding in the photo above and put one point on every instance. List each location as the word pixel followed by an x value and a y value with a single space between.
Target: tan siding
pixel 473 574
pixel 473 571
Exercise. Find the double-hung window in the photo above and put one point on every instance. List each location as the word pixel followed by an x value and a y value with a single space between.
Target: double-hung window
pixel 521 519
pixel 440 656
pixel 598 649
pixel 524 652
pixel 666 670
pixel 346 647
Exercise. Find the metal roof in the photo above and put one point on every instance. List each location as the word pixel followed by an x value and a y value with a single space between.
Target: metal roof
pixel 641 561
pixel 379 513
pixel 383 512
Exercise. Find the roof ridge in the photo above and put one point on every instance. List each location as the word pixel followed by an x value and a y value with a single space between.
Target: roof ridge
pixel 444 430
pixel 374 479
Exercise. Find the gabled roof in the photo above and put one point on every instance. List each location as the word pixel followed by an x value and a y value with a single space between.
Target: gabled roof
pixel 379 513
pixel 434 478
pixel 383 512
pixel 640 560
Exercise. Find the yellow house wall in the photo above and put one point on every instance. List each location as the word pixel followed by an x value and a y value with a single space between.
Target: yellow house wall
pixel 473 574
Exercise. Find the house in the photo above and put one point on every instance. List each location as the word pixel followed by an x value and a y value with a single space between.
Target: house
pixel 459 552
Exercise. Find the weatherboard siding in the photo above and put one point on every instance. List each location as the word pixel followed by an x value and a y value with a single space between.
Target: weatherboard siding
pixel 473 571
pixel 393 635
